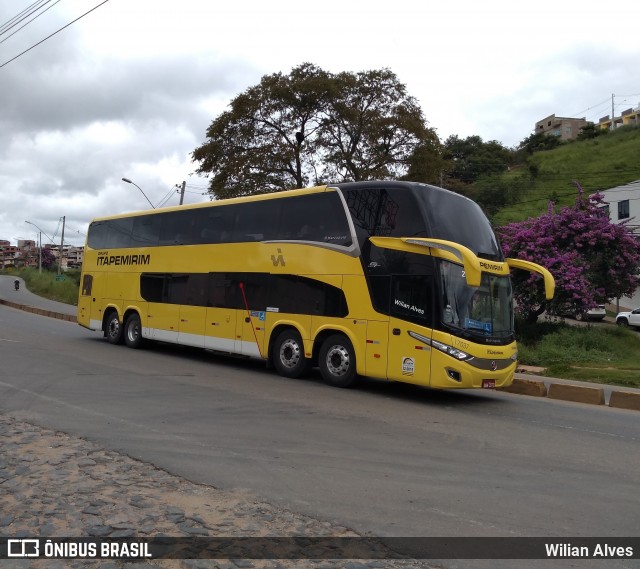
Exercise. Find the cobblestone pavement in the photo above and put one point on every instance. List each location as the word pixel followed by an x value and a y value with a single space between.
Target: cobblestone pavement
pixel 56 485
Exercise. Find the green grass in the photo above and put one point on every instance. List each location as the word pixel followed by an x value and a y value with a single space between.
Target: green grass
pixel 597 164
pixel 45 284
pixel 602 354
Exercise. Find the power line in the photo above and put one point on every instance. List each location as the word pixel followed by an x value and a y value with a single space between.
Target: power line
pixel 21 16
pixel 53 34
pixel 31 20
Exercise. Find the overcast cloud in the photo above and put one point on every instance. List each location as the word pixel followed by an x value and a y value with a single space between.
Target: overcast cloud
pixel 130 89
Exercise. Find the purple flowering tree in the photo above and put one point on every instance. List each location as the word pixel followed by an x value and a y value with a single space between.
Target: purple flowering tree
pixel 591 259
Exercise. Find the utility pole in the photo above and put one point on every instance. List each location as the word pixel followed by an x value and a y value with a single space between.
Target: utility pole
pixel 61 246
pixel 184 184
pixel 612 110
pixel 40 252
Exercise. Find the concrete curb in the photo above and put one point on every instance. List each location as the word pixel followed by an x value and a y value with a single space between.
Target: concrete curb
pixel 530 387
pixel 577 393
pixel 40 311
pixel 625 400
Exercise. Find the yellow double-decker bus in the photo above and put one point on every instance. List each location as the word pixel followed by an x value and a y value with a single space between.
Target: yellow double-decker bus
pixel 394 280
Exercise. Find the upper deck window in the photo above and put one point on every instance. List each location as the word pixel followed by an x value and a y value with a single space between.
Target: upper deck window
pixel 319 217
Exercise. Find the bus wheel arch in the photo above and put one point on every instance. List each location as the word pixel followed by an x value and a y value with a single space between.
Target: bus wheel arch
pixel 113 329
pixel 286 352
pixel 336 359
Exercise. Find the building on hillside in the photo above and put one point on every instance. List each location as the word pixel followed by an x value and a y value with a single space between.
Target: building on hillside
pixel 26 253
pixel 8 254
pixel 74 255
pixel 630 117
pixel 623 204
pixel 563 127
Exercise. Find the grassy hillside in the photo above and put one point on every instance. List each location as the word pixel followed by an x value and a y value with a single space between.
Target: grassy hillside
pixel 610 160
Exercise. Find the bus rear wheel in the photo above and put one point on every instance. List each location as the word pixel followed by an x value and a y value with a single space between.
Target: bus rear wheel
pixel 133 331
pixel 288 354
pixel 337 361
pixel 113 328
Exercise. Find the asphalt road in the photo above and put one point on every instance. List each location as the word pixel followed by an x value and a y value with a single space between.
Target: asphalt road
pixel 383 459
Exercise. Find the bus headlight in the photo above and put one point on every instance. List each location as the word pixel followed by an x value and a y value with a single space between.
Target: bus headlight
pixel 446 348
pixel 450 350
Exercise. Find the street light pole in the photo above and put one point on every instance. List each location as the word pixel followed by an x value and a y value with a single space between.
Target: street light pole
pixel 61 247
pixel 40 246
pixel 136 185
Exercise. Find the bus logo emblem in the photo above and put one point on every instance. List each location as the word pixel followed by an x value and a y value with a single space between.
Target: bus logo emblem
pixel 279 260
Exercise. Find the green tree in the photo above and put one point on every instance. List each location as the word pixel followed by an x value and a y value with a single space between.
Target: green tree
pixel 426 164
pixel 312 127
pixel 537 142
pixel 591 130
pixel 372 127
pixel 470 158
pixel 268 138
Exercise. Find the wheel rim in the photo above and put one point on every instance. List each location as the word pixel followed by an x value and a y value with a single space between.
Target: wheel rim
pixel 337 360
pixel 290 353
pixel 114 328
pixel 133 331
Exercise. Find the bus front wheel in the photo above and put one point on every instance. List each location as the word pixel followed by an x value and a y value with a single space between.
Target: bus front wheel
pixel 113 328
pixel 133 331
pixel 288 354
pixel 337 361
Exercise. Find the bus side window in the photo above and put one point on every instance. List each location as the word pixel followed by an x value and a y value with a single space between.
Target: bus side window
pixel 153 287
pixel 87 285
pixel 412 298
pixel 196 291
pixel 219 290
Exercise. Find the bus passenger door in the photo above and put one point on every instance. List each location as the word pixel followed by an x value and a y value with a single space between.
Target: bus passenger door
pixel 410 322
pixel 251 327
pixel 252 291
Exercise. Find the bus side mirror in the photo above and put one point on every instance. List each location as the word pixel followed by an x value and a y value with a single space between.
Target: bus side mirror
pixel 549 281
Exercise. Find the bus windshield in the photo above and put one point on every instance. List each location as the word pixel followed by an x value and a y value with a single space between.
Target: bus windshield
pixel 484 312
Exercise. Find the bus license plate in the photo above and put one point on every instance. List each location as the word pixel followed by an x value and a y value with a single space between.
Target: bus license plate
pixel 488 384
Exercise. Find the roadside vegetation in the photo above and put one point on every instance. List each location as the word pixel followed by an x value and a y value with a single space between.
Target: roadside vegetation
pixel 599 353
pixel 599 163
pixel 45 284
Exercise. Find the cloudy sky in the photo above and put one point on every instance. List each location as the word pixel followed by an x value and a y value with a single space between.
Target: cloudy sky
pixel 129 89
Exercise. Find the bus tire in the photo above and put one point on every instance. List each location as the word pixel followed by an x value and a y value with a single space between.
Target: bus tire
pixel 337 361
pixel 113 328
pixel 133 331
pixel 288 354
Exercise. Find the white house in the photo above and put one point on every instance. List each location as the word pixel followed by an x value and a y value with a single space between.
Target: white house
pixel 624 204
